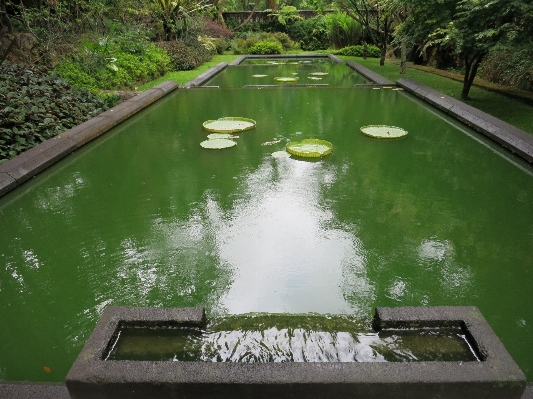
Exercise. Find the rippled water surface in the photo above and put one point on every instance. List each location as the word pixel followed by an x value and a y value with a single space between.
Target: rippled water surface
pixel 271 338
pixel 144 216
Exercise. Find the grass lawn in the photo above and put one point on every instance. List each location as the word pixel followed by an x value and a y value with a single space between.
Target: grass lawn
pixel 507 109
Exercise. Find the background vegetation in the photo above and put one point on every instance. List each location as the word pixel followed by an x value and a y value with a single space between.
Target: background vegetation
pixel 98 48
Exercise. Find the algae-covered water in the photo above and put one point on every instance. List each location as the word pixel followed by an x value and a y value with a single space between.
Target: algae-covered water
pixel 299 72
pixel 144 216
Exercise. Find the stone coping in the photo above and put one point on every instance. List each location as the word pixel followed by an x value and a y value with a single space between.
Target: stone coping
pixel 367 73
pixel 16 171
pixel 509 136
pixel 204 77
pixel 496 376
pixel 36 390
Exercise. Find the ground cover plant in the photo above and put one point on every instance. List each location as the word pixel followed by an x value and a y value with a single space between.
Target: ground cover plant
pixel 36 105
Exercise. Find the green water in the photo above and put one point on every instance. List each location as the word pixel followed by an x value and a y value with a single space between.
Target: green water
pixel 270 338
pixel 144 216
pixel 241 75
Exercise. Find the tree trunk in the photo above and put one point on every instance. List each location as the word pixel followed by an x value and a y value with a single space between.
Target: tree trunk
pixel 403 56
pixel 471 66
pixel 249 17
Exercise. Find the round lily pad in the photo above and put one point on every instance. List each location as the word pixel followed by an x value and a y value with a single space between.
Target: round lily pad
pixel 218 144
pixel 311 148
pixel 384 131
pixel 229 125
pixel 314 78
pixel 281 154
pixel 319 73
pixel 287 79
pixel 259 76
pixel 214 136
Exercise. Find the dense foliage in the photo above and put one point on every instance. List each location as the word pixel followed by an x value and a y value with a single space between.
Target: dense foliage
pixel 36 105
pixel 245 41
pixel 113 68
pixel 509 66
pixel 266 47
pixel 183 57
pixel 359 51
pixel 311 34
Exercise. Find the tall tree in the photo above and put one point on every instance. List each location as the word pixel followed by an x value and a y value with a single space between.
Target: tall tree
pixel 469 27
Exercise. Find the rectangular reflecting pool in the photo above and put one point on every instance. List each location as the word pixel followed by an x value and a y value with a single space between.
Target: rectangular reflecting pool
pixel 144 216
pixel 286 72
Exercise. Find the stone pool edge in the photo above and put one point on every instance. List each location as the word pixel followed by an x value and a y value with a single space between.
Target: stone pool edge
pixel 23 167
pixel 496 376
pixel 514 139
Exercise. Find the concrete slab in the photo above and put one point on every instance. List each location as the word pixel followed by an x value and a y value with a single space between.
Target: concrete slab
pixel 38 158
pixel 167 86
pixel 509 136
pixel 204 77
pixel 495 376
pixel 35 390
pixel 335 59
pixel 7 183
pixel 367 73
pixel 89 130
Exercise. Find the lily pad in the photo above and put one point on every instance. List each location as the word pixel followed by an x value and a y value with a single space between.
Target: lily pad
pixel 287 79
pixel 214 136
pixel 229 125
pixel 218 144
pixel 384 131
pixel 259 76
pixel 319 73
pixel 281 154
pixel 314 78
pixel 311 148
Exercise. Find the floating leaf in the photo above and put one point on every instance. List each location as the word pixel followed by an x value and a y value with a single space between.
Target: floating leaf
pixel 314 78
pixel 287 79
pixel 281 154
pixel 294 73
pixel 383 131
pixel 214 136
pixel 376 88
pixel 259 76
pixel 398 89
pixel 218 144
pixel 319 73
pixel 311 148
pixel 229 125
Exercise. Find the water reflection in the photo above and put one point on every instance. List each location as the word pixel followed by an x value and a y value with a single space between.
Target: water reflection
pixel 284 255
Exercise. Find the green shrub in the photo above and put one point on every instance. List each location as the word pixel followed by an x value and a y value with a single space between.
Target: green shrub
pixel 358 51
pixel 267 47
pixel 310 33
pixel 36 105
pixel 117 71
pixel 185 57
pixel 509 66
pixel 245 41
